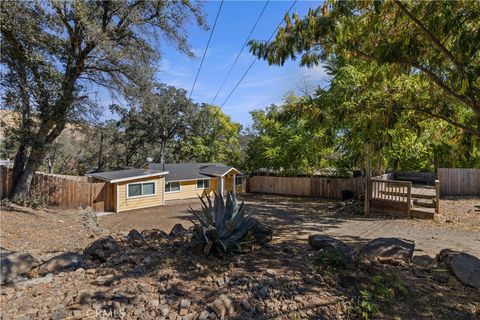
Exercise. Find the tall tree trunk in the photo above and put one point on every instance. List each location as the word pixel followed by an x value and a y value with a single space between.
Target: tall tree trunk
pixel 47 133
pixel 162 151
pixel 22 185
pixel 19 164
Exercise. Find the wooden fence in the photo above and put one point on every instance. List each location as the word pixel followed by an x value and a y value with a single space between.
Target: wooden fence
pixel 67 192
pixel 305 186
pixel 459 182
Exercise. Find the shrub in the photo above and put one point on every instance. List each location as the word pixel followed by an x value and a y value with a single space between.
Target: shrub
pixel 32 201
pixel 383 288
pixel 225 227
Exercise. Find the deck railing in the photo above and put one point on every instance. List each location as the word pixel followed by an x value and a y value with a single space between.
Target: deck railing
pixel 390 195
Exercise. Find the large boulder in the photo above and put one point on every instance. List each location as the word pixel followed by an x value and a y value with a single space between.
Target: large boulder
pixel 318 241
pixel 389 250
pixel 14 264
pixel 463 265
pixel 178 231
pixel 101 249
pixel 64 261
pixel 135 238
pixel 154 235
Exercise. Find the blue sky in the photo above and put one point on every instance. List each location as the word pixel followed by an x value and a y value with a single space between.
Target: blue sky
pixel 263 85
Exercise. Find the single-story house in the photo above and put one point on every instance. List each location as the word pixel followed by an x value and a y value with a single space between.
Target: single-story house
pixel 160 184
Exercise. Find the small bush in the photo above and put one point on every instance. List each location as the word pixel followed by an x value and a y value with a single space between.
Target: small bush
pixel 331 258
pixel 383 288
pixel 34 202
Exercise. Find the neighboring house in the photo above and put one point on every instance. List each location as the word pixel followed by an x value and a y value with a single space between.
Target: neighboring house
pixel 160 184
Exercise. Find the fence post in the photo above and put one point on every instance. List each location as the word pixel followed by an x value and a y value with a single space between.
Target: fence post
pixel 367 187
pixel 437 196
pixel 409 199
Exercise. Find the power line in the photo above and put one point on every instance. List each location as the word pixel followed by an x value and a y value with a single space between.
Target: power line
pixel 206 48
pixel 255 60
pixel 241 50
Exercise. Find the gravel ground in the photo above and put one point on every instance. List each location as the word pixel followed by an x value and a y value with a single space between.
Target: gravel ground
pixel 294 218
pixel 170 279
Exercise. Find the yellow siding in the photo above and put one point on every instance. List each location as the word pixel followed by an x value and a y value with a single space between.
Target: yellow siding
pixel 188 190
pixel 125 204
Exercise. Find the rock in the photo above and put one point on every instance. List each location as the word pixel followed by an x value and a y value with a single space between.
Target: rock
pixel 389 250
pixel 463 265
pixel 154 235
pixel 101 249
pixel 203 315
pixel 184 303
pixel 424 262
pixel 14 264
pixel 220 281
pixel 154 303
pixel 222 306
pixel 177 231
pixel 60 313
pixel 89 218
pixel 318 242
pixel 67 260
pixel 135 238
pixel 183 312
pixel 261 233
pixel 164 310
pixel 31 282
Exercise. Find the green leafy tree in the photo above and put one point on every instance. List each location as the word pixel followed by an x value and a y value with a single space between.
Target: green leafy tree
pixel 53 50
pixel 215 138
pixel 158 120
pixel 437 42
pixel 286 141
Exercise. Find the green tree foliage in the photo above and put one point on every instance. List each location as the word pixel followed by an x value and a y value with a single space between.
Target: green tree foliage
pixel 215 138
pixel 156 123
pixel 436 43
pixel 286 142
pixel 53 50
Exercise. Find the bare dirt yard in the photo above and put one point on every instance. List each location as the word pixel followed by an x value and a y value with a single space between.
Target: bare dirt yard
pixel 167 278
pixel 295 218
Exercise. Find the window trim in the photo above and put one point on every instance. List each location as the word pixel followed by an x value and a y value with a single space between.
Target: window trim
pixel 179 187
pixel 197 188
pixel 142 195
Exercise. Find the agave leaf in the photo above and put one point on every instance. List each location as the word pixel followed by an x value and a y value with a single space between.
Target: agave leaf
pixel 228 209
pixel 207 211
pixel 212 216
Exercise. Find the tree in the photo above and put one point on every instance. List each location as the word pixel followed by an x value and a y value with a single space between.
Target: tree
pixel 157 121
pixel 52 51
pixel 438 41
pixel 214 138
pixel 286 141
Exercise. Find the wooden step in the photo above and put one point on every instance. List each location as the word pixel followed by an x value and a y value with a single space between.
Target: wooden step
pixel 422 202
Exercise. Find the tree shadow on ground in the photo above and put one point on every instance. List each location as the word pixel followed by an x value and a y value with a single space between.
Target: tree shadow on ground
pixel 280 280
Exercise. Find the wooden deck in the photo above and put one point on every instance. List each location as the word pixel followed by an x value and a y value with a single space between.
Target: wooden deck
pixel 402 198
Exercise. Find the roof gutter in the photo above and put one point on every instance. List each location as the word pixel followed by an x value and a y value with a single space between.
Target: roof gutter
pixel 158 174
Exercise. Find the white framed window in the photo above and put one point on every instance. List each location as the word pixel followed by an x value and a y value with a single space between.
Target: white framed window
pixel 172 186
pixel 203 184
pixel 238 181
pixel 141 189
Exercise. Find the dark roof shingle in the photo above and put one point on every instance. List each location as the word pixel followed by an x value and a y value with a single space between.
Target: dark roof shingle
pixel 128 174
pixel 191 170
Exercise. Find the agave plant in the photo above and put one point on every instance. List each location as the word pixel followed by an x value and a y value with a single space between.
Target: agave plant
pixel 225 226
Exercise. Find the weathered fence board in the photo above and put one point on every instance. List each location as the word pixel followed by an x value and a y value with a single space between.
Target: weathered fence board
pixel 67 192
pixel 459 182
pixel 305 186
